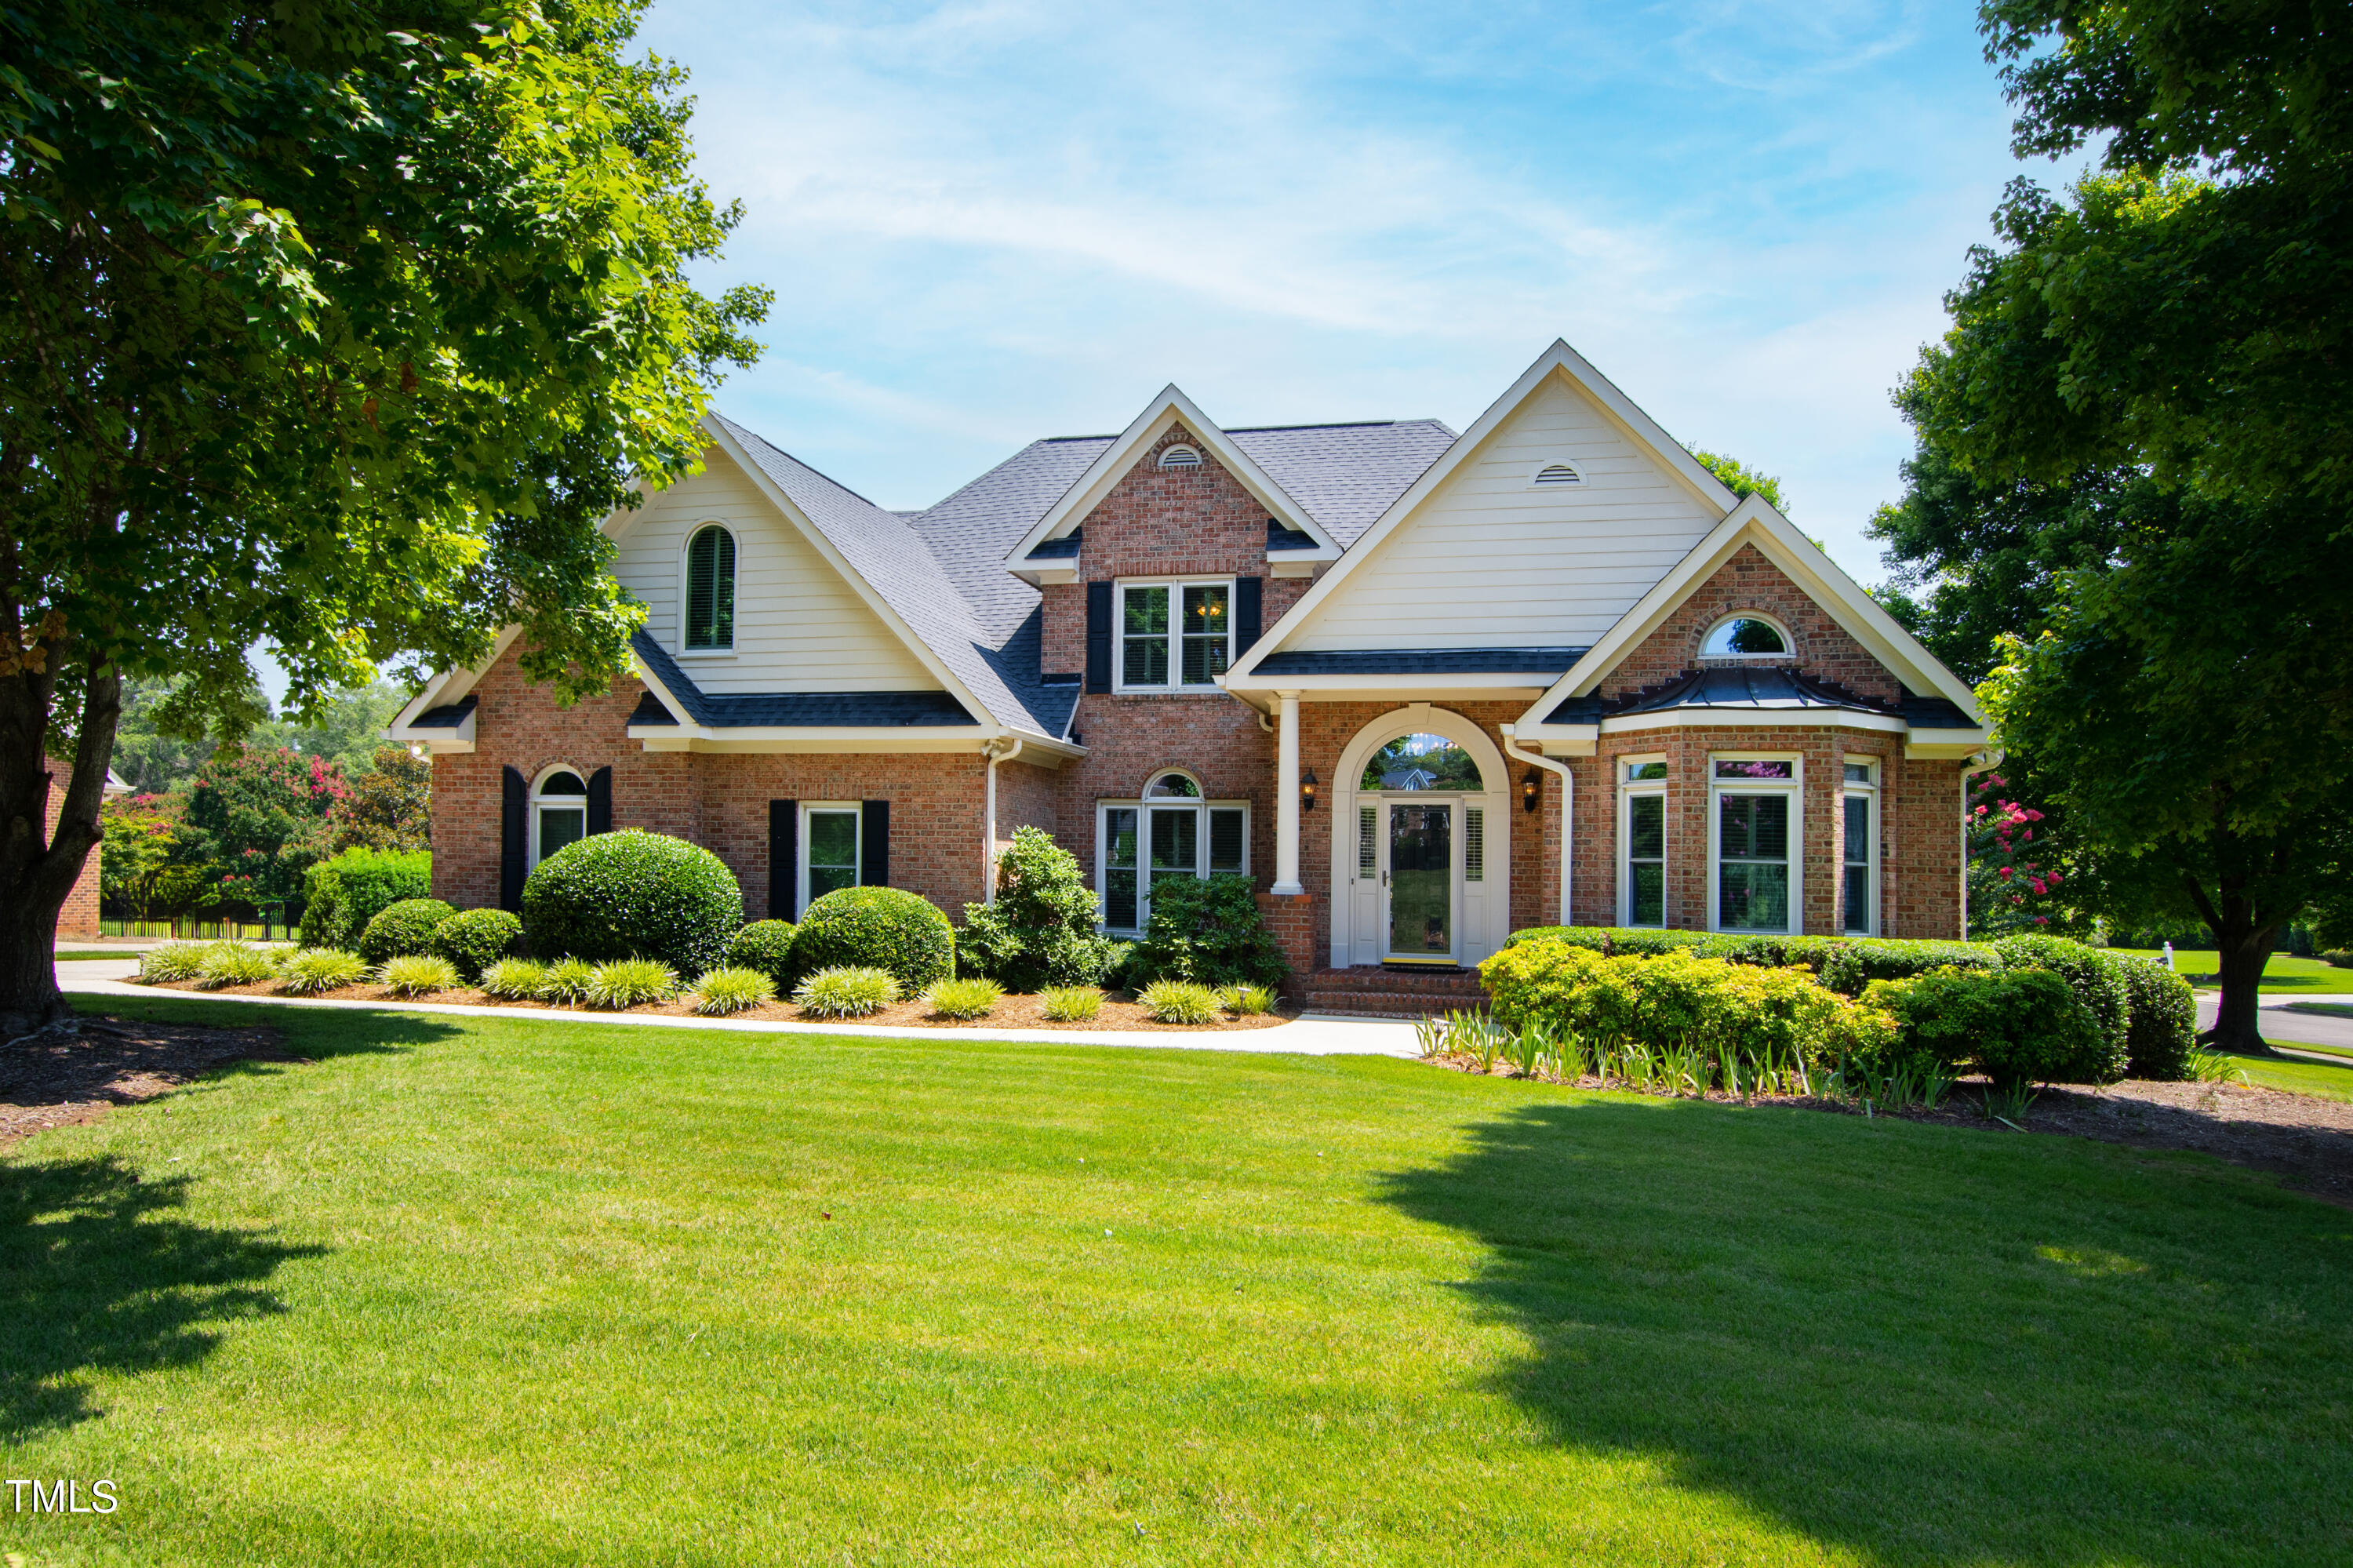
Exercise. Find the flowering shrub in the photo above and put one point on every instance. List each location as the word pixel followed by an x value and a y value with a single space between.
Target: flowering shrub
pixel 261 818
pixel 2010 862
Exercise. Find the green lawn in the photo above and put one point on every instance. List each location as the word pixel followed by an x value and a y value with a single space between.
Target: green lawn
pixel 532 1292
pixel 2281 974
pixel 2303 1076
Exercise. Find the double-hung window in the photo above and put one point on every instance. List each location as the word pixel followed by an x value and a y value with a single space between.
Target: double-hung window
pixel 1170 831
pixel 1858 848
pixel 1175 635
pixel 1757 831
pixel 1642 838
pixel 830 839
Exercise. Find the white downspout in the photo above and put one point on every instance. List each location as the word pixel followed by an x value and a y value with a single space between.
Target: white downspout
pixel 1286 797
pixel 1567 815
pixel 988 827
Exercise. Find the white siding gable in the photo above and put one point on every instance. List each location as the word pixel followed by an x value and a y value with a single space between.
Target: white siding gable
pixel 799 625
pixel 1490 560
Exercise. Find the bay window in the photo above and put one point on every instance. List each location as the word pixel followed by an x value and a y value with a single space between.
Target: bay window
pixel 1755 822
pixel 1858 848
pixel 1642 841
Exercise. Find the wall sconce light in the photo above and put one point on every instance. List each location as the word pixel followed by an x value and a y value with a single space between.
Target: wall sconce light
pixel 1531 790
pixel 1307 790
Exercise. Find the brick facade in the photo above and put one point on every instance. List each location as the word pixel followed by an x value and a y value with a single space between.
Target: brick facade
pixel 78 917
pixel 1822 648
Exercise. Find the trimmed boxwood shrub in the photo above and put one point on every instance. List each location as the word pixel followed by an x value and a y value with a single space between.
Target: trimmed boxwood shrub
pixel 1861 960
pixel 1810 953
pixel 1042 930
pixel 475 939
pixel 633 895
pixel 1206 929
pixel 766 945
pixel 2019 1025
pixel 1611 940
pixel 341 895
pixel 2163 1030
pixel 403 930
pixel 876 928
pixel 2094 976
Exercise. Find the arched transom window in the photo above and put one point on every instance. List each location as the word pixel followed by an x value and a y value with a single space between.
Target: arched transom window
pixel 1744 636
pixel 711 590
pixel 1420 762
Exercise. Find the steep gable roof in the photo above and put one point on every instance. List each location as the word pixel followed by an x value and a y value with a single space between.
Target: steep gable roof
pixel 1346 475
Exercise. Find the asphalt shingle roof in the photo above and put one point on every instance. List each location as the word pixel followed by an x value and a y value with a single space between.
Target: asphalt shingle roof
pixel 763 710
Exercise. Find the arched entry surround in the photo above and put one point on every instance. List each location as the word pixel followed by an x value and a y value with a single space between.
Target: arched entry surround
pixel 1485 906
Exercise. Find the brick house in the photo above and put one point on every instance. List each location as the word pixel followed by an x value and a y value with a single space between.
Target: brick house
pixel 1425 688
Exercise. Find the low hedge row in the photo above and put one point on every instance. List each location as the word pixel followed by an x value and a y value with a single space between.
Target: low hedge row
pixel 1954 1003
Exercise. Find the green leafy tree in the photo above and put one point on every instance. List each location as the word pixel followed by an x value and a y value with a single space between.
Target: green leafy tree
pixel 347 729
pixel 260 819
pixel 1743 482
pixel 144 870
pixel 390 806
pixel 335 325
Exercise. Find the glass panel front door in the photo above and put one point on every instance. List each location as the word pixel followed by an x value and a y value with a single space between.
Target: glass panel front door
pixel 1421 881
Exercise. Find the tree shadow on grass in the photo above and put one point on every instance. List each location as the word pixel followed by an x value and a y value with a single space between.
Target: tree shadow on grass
pixel 1920 1345
pixel 100 1272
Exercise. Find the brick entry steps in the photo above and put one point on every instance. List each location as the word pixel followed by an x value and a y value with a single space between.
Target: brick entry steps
pixel 1393 992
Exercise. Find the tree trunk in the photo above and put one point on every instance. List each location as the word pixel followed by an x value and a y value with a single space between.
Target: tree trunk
pixel 37 870
pixel 2238 1018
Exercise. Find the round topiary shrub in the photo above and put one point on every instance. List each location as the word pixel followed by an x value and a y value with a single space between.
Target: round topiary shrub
pixel 403 930
pixel 766 945
pixel 476 939
pixel 877 928
pixel 633 895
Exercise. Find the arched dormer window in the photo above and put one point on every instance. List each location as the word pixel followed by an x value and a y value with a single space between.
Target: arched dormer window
pixel 559 813
pixel 711 590
pixel 1745 637
pixel 1181 456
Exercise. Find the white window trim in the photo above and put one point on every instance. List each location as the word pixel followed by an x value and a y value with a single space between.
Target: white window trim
pixel 1143 828
pixel 561 801
pixel 1789 642
pixel 1175 586
pixel 1628 788
pixel 685 548
pixel 1793 787
pixel 1875 924
pixel 857 810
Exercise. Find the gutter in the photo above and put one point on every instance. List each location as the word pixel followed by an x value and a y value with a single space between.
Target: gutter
pixel 1568 811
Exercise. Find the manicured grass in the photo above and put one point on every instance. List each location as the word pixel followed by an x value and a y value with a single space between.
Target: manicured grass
pixel 527 1292
pixel 2303 1076
pixel 93 953
pixel 2283 974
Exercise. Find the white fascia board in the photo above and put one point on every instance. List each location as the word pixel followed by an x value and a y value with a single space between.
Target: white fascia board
pixel 866 591
pixel 1755 521
pixel 1558 360
pixel 1170 408
pixel 1040 576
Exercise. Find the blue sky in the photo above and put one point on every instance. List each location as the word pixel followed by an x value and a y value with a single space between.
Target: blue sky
pixel 989 222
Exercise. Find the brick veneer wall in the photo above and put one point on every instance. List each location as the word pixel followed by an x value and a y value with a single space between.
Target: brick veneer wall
pixel 78 917
pixel 1185 522
pixel 718 801
pixel 1749 582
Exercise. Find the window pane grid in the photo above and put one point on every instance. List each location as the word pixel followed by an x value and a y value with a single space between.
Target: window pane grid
pixel 1858 862
pixel 1207 633
pixel 832 852
pixel 1646 860
pixel 1144 619
pixel 1753 863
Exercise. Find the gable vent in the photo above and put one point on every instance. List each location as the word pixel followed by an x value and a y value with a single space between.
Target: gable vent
pixel 1559 473
pixel 1180 457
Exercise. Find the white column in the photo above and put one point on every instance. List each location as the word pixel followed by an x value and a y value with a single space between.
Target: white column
pixel 1286 796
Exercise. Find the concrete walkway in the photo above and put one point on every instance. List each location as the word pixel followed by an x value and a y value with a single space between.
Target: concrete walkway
pixel 1315 1035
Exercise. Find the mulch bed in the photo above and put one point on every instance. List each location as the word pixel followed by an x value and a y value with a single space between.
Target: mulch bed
pixel 77 1072
pixel 1011 1012
pixel 2305 1139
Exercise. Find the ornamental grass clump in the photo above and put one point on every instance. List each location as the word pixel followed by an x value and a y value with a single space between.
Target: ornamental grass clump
pixel 568 982
pixel 964 997
pixel 630 982
pixel 1179 1002
pixel 1245 1000
pixel 733 990
pixel 514 980
pixel 847 991
pixel 314 970
pixel 234 964
pixel 173 962
pixel 1070 1004
pixel 418 974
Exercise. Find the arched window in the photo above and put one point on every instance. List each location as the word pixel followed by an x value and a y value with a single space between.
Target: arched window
pixel 1180 456
pixel 1171 787
pixel 711 590
pixel 1420 762
pixel 1169 830
pixel 1745 637
pixel 559 813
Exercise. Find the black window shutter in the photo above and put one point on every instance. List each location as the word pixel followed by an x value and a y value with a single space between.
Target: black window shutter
pixel 874 846
pixel 1246 614
pixel 1099 637
pixel 784 857
pixel 600 800
pixel 514 806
